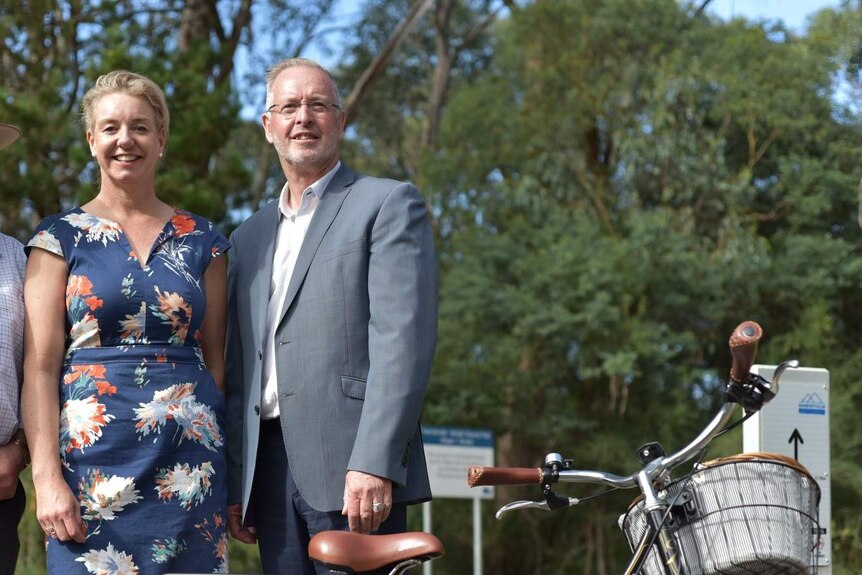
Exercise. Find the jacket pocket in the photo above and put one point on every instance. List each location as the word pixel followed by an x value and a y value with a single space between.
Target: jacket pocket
pixel 356 246
pixel 353 387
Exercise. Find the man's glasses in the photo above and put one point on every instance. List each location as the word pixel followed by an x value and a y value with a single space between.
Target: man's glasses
pixel 291 109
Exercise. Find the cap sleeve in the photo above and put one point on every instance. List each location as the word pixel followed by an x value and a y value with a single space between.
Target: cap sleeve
pixel 220 245
pixel 46 237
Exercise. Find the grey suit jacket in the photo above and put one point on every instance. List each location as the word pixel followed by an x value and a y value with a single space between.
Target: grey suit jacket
pixel 353 349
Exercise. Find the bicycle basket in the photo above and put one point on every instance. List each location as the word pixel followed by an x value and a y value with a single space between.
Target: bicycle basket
pixel 744 514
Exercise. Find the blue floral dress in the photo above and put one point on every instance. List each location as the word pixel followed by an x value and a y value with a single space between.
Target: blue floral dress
pixel 141 421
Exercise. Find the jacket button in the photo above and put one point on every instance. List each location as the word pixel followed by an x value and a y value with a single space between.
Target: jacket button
pixel 260 355
pixel 257 410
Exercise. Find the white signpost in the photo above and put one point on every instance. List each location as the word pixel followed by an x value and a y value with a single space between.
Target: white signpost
pixel 796 424
pixel 449 451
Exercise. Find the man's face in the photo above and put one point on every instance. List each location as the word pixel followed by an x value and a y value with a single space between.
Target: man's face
pixel 307 134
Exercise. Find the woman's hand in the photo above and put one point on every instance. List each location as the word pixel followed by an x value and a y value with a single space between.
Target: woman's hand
pixel 59 512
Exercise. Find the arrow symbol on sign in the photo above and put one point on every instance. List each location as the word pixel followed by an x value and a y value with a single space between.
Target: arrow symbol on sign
pixel 796 439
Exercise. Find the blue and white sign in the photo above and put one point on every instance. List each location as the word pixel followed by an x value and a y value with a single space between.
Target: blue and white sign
pixel 796 423
pixel 449 451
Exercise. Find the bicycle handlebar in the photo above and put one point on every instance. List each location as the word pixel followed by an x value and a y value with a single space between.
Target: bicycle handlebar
pixel 477 475
pixel 743 347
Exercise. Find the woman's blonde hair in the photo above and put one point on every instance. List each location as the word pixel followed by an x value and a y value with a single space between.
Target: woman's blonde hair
pixel 125 82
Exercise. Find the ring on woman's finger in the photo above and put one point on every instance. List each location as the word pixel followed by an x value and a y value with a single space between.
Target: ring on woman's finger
pixel 51 531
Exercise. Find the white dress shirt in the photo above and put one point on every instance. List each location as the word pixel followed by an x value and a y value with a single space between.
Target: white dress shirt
pixel 292 226
pixel 12 262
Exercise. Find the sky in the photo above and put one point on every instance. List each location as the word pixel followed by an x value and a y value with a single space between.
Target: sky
pixel 794 13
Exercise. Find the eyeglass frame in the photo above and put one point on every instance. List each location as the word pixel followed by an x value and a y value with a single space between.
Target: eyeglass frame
pixel 279 108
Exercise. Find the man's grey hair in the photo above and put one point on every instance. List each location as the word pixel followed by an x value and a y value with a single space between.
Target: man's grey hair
pixel 280 67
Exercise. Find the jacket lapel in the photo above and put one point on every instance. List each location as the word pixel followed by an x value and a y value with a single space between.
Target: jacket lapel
pixel 327 209
pixel 267 232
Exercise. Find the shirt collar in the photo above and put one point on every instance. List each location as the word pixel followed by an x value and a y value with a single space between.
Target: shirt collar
pixel 317 188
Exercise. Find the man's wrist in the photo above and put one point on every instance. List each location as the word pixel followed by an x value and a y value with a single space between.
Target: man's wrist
pixel 20 440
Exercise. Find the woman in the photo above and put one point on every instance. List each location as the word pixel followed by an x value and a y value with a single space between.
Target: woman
pixel 125 302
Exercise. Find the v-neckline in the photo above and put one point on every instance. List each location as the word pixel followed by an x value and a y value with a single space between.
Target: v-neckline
pixel 166 232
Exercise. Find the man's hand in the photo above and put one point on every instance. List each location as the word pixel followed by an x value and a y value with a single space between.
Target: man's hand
pixel 11 464
pixel 234 525
pixel 367 501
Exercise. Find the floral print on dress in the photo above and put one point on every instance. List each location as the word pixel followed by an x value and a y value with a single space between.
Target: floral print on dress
pixel 165 549
pixel 108 561
pixel 102 497
pixel 80 302
pixel 140 378
pixel 183 224
pixel 128 285
pixel 190 485
pixel 88 378
pixel 175 255
pixel 81 423
pixel 179 404
pixel 134 326
pixel 215 533
pixel 173 310
pixel 97 229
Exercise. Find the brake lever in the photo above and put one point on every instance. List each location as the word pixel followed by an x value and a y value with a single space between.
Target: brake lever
pixel 782 367
pixel 543 505
pixel 757 391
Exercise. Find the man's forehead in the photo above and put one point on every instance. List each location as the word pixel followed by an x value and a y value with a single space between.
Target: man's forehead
pixel 303 81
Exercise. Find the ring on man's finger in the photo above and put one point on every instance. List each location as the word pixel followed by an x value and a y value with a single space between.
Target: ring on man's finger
pixel 377 507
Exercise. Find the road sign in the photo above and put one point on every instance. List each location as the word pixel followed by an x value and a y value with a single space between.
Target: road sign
pixel 449 451
pixel 796 423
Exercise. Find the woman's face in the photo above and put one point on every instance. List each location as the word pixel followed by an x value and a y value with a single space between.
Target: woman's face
pixel 125 139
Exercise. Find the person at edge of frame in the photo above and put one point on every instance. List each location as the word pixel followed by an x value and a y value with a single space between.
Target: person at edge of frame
pixel 14 455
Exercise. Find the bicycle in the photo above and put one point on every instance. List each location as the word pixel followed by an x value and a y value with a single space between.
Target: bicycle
pixel 699 524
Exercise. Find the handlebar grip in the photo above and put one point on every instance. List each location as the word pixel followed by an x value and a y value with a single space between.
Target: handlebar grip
pixel 477 475
pixel 743 347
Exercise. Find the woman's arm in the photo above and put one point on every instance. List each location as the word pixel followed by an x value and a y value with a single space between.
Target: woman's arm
pixel 57 508
pixel 213 326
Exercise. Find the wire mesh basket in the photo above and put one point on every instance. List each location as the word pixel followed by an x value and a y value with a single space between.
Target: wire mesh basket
pixel 753 513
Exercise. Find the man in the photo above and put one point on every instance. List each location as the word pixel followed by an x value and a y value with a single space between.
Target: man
pixel 331 334
pixel 13 446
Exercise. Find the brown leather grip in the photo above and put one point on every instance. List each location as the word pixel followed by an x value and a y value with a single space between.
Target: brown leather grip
pixel 477 475
pixel 743 348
